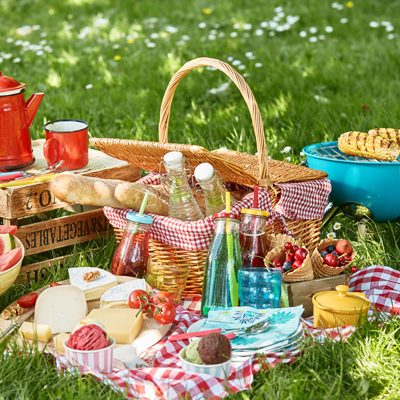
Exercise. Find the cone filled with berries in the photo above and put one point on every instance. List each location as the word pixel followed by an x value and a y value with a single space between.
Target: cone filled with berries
pixel 292 259
pixel 331 257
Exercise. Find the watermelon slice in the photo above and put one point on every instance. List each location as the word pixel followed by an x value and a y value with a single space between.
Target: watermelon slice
pixel 7 243
pixel 11 229
pixel 9 259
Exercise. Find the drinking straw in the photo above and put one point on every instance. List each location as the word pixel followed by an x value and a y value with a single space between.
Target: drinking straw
pixel 141 210
pixel 255 198
pixel 233 287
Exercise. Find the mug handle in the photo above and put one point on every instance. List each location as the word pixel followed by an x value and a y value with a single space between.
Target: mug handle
pixel 52 151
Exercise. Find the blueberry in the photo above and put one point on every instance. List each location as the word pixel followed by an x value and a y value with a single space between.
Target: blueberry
pixel 323 253
pixel 330 249
pixel 287 266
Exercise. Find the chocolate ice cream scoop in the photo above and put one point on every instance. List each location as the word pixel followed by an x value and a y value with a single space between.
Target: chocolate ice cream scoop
pixel 214 348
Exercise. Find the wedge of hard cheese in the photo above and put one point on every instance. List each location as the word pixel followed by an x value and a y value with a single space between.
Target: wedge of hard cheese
pixel 60 307
pixel 118 295
pixel 94 288
pixel 122 324
pixel 35 332
pixel 59 342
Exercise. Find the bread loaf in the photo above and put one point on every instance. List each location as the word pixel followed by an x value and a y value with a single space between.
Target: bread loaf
pixel 84 190
pixel 130 195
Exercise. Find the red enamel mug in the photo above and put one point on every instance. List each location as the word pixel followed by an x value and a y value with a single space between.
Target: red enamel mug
pixel 67 141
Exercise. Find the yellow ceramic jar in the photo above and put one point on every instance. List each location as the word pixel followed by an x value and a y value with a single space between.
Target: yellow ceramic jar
pixel 340 308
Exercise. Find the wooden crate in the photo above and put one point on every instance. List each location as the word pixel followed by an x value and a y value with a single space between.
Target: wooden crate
pixel 22 204
pixel 302 292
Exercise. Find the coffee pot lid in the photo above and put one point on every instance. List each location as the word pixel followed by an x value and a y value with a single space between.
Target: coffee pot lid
pixel 7 83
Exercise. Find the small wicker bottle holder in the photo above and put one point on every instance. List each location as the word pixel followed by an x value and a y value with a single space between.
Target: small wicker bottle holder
pixel 322 270
pixel 304 273
pixel 240 168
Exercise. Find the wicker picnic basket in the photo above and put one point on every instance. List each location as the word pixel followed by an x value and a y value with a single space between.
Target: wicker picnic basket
pixel 240 168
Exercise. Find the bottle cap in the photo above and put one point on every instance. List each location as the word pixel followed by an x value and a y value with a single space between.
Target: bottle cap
pixel 133 216
pixel 173 158
pixel 204 172
pixel 255 211
pixel 224 214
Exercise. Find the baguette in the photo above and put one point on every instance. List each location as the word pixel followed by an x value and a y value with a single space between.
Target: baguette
pixel 130 195
pixel 85 190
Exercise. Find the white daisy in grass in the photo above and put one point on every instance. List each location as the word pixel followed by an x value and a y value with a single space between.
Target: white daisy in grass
pixel 185 37
pixel 286 150
pixel 303 34
pixel 172 29
pixel 273 24
pixel 264 24
pixel 39 52
pixel 385 23
pixel 389 28
pixel 313 29
pixel 100 22
pixel 236 25
pixel 391 36
pixel 337 226
pixel 272 33
pixel 9 40
pixel 230 58
pixel 250 55
pixel 154 35
pixel 343 20
pixel 247 27
pixel 202 25
pixel 233 34
pixel 236 62
pixel 150 45
pixel 278 9
pixel 331 235
pixel 302 154
pixel 374 24
pixel 17 60
pixel 259 32
pixel 241 67
pixel 89 86
pixel 43 34
pixel 219 89
pixel 328 29
pixel 288 159
pixel 292 19
pixel 24 30
pixel 313 39
pixel 221 34
pixel 36 27
pixel 321 37
pixel 211 37
pixel 258 65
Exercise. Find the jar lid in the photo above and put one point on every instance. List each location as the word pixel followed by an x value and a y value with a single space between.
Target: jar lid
pixel 224 214
pixel 255 211
pixel 341 301
pixel 9 84
pixel 204 172
pixel 173 158
pixel 133 216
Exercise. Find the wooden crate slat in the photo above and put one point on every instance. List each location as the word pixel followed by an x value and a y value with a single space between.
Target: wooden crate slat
pixel 64 231
pixel 302 292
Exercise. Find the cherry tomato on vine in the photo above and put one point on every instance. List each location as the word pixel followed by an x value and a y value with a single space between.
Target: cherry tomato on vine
pixel 139 298
pixel 162 297
pixel 28 300
pixel 164 313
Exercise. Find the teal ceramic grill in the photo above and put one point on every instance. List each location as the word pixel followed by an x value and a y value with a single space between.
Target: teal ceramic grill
pixel 359 181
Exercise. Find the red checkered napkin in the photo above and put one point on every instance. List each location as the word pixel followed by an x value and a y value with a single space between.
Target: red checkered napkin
pixel 381 285
pixel 304 200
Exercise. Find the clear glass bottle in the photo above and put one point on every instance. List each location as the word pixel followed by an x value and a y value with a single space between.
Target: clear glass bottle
pixel 212 187
pixel 220 286
pixel 182 204
pixel 132 254
pixel 259 287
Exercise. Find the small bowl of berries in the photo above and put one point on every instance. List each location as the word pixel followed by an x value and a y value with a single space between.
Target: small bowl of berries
pixel 292 259
pixel 331 257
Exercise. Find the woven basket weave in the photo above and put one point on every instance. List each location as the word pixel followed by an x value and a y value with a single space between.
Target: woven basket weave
pixel 233 166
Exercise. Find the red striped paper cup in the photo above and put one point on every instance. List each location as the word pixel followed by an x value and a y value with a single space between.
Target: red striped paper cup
pixel 99 360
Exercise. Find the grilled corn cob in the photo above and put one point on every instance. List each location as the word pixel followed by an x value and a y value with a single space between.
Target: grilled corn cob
pixel 370 146
pixel 387 133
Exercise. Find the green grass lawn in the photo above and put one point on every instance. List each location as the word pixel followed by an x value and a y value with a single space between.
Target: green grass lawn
pixel 317 69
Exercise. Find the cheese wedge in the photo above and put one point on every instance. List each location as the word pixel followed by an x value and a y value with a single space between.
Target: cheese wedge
pixel 35 332
pixel 59 342
pixel 60 307
pixel 122 324
pixel 118 295
pixel 93 289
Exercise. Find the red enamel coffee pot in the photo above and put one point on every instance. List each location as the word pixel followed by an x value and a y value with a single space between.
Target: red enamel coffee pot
pixel 16 116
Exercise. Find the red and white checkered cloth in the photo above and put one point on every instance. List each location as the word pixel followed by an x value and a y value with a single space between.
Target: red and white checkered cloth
pixel 166 380
pixel 304 200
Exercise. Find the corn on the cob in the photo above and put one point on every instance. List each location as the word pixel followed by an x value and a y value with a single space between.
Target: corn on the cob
pixel 369 146
pixel 387 133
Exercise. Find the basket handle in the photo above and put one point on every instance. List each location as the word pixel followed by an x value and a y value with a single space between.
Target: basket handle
pixel 258 126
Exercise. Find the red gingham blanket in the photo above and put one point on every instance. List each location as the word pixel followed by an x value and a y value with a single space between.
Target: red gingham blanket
pixel 303 200
pixel 166 380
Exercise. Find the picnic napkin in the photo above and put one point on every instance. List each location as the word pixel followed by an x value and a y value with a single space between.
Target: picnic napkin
pixel 284 323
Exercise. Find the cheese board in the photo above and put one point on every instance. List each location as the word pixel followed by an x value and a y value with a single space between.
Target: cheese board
pixel 61 308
